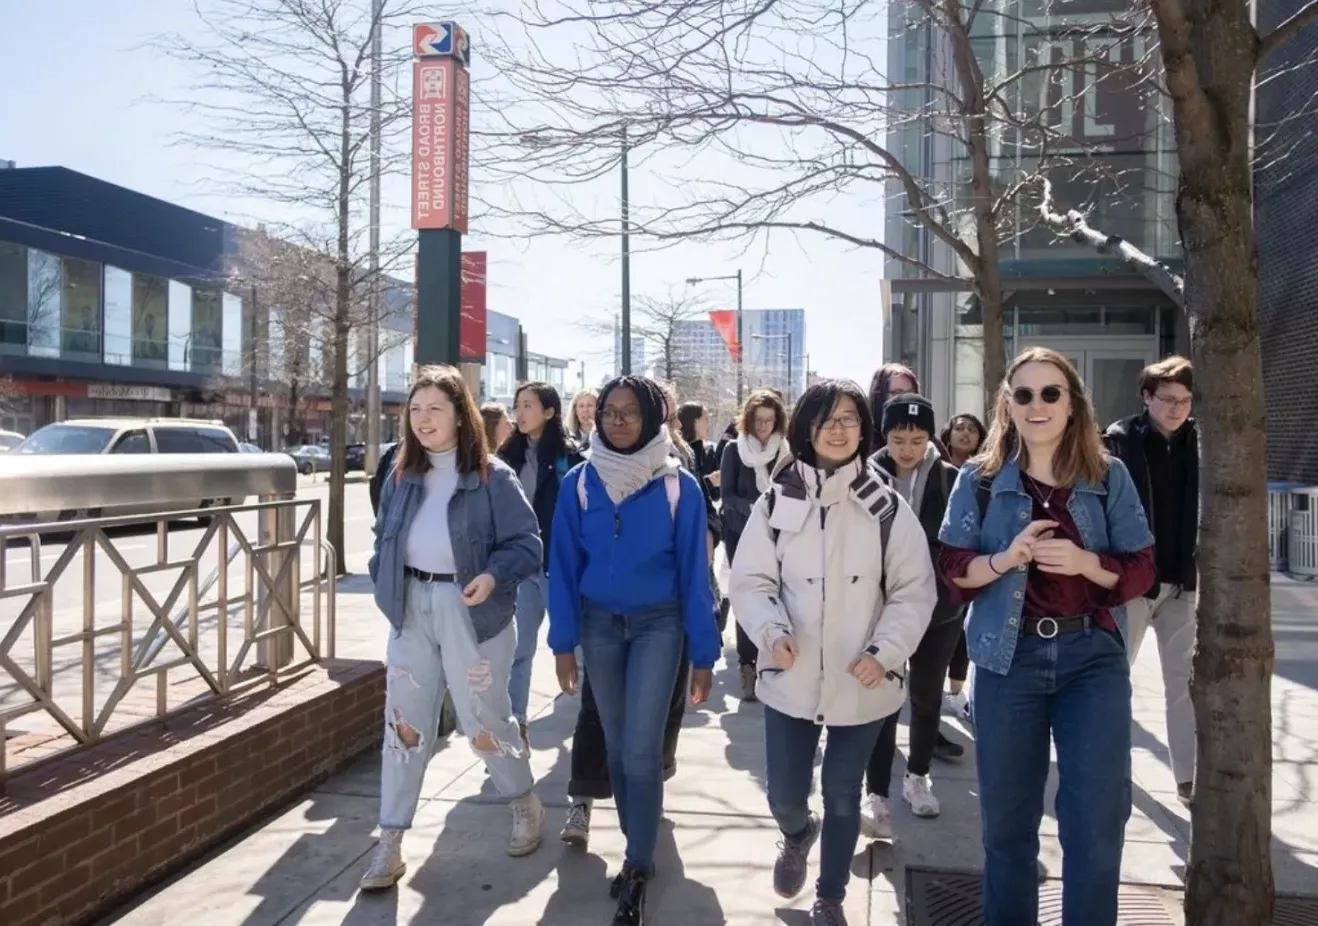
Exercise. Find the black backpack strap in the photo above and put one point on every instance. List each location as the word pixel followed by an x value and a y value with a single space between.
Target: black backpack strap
pixel 773 497
pixel 984 494
pixel 885 535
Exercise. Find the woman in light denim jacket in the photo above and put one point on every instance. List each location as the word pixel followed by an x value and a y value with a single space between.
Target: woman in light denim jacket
pixel 454 537
pixel 1061 546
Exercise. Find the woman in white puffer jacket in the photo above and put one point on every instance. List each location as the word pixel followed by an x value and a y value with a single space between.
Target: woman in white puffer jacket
pixel 833 582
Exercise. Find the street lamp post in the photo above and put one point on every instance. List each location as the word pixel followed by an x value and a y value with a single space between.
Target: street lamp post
pixel 626 265
pixel 741 350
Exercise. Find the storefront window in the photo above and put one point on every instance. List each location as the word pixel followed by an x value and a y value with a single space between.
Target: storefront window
pixel 231 336
pixel 118 316
pixel 43 304
pixel 180 325
pixel 150 321
pixel 206 349
pixel 81 337
pixel 13 298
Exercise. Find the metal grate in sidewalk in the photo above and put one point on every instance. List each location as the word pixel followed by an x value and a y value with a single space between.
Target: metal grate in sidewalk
pixel 941 897
pixel 1292 910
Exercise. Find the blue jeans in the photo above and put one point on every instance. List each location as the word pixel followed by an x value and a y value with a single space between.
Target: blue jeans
pixel 789 746
pixel 633 662
pixel 530 614
pixel 1075 687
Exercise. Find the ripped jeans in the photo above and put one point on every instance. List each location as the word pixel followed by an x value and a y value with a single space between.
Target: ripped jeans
pixel 437 651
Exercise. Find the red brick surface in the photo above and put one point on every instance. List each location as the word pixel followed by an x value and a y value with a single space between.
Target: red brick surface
pixel 82 833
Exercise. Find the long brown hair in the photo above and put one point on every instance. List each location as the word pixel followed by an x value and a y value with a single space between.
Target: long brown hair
pixel 493 414
pixel 1080 455
pixel 472 454
pixel 762 398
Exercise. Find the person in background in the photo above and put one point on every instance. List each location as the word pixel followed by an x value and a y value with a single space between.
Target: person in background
pixel 497 426
pixel 581 416
pixel 1160 447
pixel 1045 539
pixel 962 438
pixel 540 453
pixel 728 436
pixel 836 603
pixel 693 423
pixel 453 539
pixel 629 583
pixel 889 380
pixel 924 481
pixel 746 473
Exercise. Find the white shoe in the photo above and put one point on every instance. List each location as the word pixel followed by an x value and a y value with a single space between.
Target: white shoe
pixel 875 818
pixel 387 865
pixel 956 705
pixel 528 818
pixel 918 791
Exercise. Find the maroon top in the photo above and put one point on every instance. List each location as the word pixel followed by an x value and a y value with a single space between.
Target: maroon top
pixel 1051 595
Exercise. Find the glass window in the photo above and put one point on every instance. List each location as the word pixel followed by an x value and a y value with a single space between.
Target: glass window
pixel 13 298
pixel 180 325
pixel 132 442
pixel 66 438
pixel 81 335
pixel 117 334
pixel 43 304
pixel 150 320
pixel 213 440
pixel 231 337
pixel 206 348
pixel 1062 319
pixel 177 440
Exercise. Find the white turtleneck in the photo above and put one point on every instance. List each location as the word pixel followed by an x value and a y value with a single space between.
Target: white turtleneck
pixel 429 545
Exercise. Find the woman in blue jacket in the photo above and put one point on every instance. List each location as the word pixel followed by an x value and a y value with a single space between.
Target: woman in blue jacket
pixel 629 581
pixel 454 537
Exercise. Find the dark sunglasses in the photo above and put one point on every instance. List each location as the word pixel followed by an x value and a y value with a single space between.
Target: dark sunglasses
pixel 1024 395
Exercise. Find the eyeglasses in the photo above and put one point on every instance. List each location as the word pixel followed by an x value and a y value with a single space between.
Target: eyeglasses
pixel 621 415
pixel 1174 403
pixel 1024 395
pixel 846 422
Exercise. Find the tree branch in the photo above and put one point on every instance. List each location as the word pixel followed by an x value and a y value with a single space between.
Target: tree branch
pixel 1290 29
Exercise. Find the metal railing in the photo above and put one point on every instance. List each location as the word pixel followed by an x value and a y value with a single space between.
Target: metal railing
pixel 258 613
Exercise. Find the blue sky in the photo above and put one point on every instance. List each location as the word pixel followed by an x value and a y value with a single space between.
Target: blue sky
pixel 93 111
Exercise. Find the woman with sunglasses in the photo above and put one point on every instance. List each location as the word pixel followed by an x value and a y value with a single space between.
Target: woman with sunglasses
pixel 1046 539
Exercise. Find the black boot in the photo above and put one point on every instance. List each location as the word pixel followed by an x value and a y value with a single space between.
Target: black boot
pixel 631 898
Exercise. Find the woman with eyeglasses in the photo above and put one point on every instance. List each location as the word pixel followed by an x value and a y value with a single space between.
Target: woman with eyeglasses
pixel 1046 539
pixel 833 582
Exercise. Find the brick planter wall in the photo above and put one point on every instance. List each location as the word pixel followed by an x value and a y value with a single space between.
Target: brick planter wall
pixel 83 833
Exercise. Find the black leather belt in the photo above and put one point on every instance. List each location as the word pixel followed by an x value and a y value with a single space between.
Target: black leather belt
pixel 423 576
pixel 1049 627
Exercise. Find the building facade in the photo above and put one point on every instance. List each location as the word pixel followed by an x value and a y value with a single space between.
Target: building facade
pixel 1110 321
pixel 638 352
pixel 773 352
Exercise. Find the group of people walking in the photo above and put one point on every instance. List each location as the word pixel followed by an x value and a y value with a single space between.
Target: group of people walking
pixel 873 558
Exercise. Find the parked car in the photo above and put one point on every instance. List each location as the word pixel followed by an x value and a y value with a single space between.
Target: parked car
pixel 9 440
pixel 250 448
pixel 310 458
pixel 355 458
pixel 126 435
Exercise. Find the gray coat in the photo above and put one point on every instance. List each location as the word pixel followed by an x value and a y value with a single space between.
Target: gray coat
pixel 493 530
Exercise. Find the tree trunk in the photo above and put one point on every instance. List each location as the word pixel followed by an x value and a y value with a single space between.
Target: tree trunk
pixel 991 312
pixel 1210 51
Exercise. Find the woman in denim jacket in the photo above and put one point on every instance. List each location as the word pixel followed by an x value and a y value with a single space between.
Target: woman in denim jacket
pixel 454 537
pixel 1061 545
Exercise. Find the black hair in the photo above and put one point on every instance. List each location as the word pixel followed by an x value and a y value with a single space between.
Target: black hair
pixel 654 409
pixel 553 440
pixel 946 435
pixel 814 408
pixel 687 416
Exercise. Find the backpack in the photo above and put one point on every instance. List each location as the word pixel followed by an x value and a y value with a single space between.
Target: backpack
pixel 672 488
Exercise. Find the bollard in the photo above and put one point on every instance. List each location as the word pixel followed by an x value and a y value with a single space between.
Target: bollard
pixel 277 528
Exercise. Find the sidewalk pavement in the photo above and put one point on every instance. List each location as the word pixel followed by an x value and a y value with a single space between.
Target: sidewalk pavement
pixel 717 846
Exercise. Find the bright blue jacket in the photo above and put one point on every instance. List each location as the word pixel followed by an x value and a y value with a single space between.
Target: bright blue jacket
pixel 625 559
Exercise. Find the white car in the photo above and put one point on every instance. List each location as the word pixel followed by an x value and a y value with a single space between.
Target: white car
pixel 9 440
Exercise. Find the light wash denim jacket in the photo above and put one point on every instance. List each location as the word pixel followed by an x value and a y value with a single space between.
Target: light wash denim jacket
pixel 993 624
pixel 493 530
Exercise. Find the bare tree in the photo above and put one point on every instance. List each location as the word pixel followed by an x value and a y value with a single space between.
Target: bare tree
pixel 792 97
pixel 284 85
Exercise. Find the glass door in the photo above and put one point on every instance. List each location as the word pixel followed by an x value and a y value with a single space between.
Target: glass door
pixel 1113 380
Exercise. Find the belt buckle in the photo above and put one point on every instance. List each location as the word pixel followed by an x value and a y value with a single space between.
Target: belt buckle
pixel 1039 628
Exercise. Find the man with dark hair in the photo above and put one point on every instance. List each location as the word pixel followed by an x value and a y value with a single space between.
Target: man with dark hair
pixel 1160 447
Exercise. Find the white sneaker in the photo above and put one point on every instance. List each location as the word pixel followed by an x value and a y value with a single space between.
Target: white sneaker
pixel 875 818
pixel 956 705
pixel 528 818
pixel 918 791
pixel 387 865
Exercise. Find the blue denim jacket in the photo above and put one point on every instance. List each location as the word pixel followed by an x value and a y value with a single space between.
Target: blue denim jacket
pixel 493 530
pixel 993 624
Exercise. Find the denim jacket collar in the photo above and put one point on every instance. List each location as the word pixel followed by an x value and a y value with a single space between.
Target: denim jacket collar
pixel 1008 479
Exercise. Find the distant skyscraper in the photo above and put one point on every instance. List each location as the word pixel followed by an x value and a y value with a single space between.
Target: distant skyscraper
pixel 638 353
pixel 773 349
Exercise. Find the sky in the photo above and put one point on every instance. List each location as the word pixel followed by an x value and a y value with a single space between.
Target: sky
pixel 101 112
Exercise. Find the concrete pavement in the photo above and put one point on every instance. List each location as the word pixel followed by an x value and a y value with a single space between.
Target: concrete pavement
pixel 716 848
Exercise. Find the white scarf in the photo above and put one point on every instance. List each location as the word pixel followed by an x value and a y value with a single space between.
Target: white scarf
pixel 762 459
pixel 625 474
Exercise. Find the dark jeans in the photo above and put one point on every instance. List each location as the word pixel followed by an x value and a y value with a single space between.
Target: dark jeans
pixel 590 761
pixel 1075 687
pixel 747 652
pixel 959 667
pixel 789 746
pixel 924 681
pixel 634 661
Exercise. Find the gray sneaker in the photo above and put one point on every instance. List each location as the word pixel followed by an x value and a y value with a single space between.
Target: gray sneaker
pixel 827 913
pixel 793 861
pixel 576 830
pixel 748 683
pixel 387 864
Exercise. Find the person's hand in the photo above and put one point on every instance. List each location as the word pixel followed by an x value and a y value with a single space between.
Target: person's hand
pixel 1061 557
pixel 715 479
pixel 867 670
pixel 478 589
pixel 702 680
pixel 565 666
pixel 784 652
pixel 1022 547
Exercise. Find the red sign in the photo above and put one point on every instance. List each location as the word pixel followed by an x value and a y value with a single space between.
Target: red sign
pixel 725 323
pixel 471 338
pixel 440 120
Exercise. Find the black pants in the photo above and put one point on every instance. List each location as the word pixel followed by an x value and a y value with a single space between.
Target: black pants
pixel 924 681
pixel 590 760
pixel 959 667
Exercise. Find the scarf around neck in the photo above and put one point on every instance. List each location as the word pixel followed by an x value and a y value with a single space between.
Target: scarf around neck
pixel 759 457
pixel 625 474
